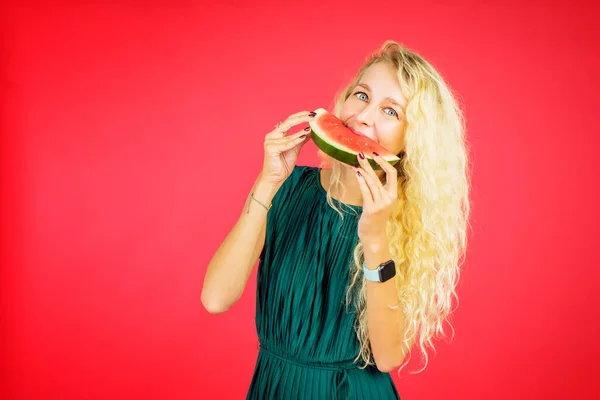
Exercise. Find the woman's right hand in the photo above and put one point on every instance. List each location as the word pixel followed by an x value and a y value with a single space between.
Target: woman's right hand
pixel 282 150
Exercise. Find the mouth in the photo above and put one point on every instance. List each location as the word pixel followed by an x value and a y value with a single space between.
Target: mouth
pixel 355 131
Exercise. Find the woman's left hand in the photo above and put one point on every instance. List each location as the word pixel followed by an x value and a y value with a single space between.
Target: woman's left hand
pixel 378 200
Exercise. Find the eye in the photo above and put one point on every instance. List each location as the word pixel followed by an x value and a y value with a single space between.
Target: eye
pixel 363 95
pixel 393 112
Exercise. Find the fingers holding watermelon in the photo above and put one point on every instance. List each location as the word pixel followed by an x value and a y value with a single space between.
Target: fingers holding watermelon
pixel 283 127
pixel 391 175
pixel 370 184
pixel 378 200
pixel 370 188
pixel 367 169
pixel 295 141
pixel 281 151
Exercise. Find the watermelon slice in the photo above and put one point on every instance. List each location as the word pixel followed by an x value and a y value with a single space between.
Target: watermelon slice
pixel 337 141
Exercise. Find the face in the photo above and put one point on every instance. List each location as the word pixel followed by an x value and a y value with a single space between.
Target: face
pixel 376 107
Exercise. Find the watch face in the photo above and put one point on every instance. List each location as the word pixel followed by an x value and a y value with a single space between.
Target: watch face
pixel 388 271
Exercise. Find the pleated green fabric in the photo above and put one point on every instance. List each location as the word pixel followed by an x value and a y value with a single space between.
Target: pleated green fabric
pixel 306 334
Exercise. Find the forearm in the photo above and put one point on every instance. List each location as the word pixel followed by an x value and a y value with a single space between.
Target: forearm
pixel 385 324
pixel 230 267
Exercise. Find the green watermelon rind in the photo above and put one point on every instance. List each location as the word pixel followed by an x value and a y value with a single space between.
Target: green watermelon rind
pixel 343 155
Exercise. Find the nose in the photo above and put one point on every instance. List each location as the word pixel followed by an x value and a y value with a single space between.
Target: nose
pixel 366 115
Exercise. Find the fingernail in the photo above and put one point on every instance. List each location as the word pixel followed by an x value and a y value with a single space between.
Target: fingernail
pixel 361 155
pixel 358 172
pixel 307 128
pixel 302 137
pixel 312 114
pixel 375 154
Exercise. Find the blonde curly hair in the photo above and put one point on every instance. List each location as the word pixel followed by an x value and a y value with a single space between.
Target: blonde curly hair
pixel 427 229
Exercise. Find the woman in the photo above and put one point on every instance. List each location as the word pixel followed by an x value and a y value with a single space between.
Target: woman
pixel 331 325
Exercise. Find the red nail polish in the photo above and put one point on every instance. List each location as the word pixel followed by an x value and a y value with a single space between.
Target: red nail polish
pixel 375 154
pixel 358 172
pixel 307 128
pixel 361 155
pixel 302 137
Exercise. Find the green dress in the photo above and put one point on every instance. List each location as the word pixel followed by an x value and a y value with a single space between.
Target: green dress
pixel 306 333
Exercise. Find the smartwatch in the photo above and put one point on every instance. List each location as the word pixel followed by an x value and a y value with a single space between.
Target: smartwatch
pixel 384 272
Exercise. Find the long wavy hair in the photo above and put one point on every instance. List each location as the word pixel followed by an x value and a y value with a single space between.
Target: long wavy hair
pixel 427 229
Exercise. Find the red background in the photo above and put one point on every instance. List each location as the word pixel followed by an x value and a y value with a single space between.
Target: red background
pixel 131 136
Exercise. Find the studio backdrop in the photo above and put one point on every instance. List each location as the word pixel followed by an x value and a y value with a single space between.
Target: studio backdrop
pixel 132 134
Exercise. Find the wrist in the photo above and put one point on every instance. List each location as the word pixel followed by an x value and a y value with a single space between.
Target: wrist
pixel 376 251
pixel 376 244
pixel 265 191
pixel 376 254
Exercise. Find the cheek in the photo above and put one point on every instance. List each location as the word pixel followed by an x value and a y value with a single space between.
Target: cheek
pixel 344 114
pixel 350 107
pixel 392 138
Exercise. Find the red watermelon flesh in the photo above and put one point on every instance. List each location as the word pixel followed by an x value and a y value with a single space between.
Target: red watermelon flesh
pixel 339 142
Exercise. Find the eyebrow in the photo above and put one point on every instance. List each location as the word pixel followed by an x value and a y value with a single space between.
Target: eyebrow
pixel 387 98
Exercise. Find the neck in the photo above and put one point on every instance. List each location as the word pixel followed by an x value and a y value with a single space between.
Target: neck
pixel 352 193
